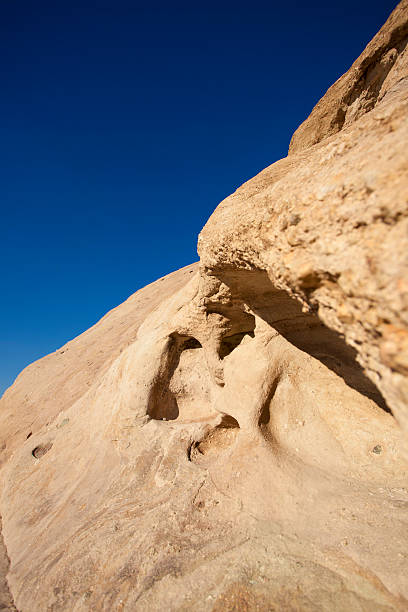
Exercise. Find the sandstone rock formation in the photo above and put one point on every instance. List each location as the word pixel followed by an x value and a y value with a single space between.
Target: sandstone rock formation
pixel 232 436
pixel 329 224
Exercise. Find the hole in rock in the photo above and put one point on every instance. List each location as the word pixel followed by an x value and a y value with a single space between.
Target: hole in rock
pixel 229 343
pixel 228 422
pixel 40 450
pixel 265 415
pixel 29 435
pixel 215 440
pixel 190 343
pixel 304 330
pixel 182 389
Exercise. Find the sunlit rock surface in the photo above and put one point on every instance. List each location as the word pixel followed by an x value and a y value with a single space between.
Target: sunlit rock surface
pixel 232 436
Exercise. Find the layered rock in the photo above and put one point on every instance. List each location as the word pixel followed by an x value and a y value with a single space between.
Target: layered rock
pixel 225 439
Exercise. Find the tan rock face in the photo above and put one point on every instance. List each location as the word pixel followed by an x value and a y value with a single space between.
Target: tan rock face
pixel 223 440
pixel 329 224
pixel 379 74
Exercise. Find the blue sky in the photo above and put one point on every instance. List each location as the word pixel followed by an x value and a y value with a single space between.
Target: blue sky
pixel 123 124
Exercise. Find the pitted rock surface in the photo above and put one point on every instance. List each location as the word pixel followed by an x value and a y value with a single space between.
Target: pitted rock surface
pixel 232 436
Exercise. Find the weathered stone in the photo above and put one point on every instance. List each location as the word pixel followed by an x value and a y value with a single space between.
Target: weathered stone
pixel 346 184
pixel 378 75
pixel 223 440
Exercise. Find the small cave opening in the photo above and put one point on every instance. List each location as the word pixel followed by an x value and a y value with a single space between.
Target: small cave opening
pixel 243 324
pixel 190 343
pixel 229 343
pixel 228 422
pixel 163 405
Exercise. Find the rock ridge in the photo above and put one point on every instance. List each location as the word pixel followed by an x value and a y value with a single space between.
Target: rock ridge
pixel 376 73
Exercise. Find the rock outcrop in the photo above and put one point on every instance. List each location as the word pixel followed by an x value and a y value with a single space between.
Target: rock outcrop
pixel 232 436
pixel 329 224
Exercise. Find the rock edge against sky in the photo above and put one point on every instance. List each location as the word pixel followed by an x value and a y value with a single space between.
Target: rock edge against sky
pixel 233 436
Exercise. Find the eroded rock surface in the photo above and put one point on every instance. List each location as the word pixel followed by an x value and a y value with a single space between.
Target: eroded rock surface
pixel 329 224
pixel 6 599
pixel 378 75
pixel 226 439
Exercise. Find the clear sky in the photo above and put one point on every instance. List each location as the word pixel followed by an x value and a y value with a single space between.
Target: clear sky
pixel 123 124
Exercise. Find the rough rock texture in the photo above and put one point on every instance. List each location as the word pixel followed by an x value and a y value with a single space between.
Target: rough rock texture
pixel 6 599
pixel 50 385
pixel 379 73
pixel 329 224
pixel 223 440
